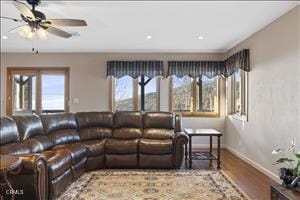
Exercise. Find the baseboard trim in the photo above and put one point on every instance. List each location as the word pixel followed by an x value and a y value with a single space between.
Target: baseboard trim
pixel 253 164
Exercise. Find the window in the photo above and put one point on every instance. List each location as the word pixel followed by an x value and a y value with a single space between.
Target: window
pixel 127 93
pixel 37 90
pixel 238 94
pixel 151 94
pixel 207 95
pixel 124 93
pixel 194 96
pixel 53 93
pixel 182 94
pixel 237 91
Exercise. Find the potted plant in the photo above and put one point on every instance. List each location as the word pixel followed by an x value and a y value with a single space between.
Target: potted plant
pixel 289 175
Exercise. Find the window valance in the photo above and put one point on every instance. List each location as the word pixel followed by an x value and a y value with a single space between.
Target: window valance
pixel 195 69
pixel 239 60
pixel 225 68
pixel 135 68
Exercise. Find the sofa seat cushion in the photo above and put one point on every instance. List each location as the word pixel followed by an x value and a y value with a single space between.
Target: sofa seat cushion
pixel 76 150
pixel 38 143
pixel 14 148
pixel 94 147
pixel 64 136
pixel 159 134
pixel 127 133
pixel 58 162
pixel 158 147
pixel 121 147
pixel 95 133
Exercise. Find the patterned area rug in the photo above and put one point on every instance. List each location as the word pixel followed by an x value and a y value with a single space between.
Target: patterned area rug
pixel 152 185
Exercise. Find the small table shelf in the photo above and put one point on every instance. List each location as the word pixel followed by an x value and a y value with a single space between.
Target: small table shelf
pixel 203 155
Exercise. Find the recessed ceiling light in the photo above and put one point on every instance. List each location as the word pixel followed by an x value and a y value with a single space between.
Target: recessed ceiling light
pixel 149 37
pixel 200 37
pixel 4 37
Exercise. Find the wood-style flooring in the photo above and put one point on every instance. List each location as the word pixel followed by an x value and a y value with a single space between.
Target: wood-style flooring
pixel 251 181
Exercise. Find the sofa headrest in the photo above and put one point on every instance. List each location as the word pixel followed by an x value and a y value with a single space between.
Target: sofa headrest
pixel 28 126
pixel 8 131
pixel 55 122
pixel 128 119
pixel 94 119
pixel 163 120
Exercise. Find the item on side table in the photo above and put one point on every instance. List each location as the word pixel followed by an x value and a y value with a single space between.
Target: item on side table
pixel 290 176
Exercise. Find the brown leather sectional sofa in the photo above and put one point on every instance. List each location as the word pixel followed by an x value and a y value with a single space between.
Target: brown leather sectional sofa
pixel 56 149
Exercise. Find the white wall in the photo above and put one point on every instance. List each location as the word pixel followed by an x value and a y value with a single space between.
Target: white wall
pixel 88 80
pixel 274 93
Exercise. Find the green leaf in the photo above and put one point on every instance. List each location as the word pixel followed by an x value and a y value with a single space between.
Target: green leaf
pixel 277 151
pixel 282 160
pixel 297 154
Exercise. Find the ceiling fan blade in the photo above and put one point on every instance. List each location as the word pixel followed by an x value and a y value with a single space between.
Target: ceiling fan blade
pixel 14 19
pixel 64 22
pixel 56 31
pixel 24 10
pixel 16 28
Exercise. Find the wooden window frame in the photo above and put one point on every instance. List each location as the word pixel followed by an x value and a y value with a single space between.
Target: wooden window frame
pixel 243 115
pixel 194 113
pixel 135 94
pixel 38 72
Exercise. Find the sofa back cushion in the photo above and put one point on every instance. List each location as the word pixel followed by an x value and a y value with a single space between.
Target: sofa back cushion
pixel 8 131
pixel 164 120
pixel 127 125
pixel 10 139
pixel 29 126
pixel 60 128
pixel 128 119
pixel 94 125
pixel 94 119
pixel 159 125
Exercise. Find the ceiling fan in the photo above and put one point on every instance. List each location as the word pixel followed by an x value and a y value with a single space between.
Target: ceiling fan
pixel 36 22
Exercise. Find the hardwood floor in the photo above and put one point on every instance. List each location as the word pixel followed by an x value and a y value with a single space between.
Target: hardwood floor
pixel 251 181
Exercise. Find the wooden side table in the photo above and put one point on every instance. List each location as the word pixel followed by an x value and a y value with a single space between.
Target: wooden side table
pixel 10 164
pixel 204 155
pixel 278 192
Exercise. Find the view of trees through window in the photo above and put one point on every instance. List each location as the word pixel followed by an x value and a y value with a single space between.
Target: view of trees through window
pixel 150 95
pixel 24 94
pixel 125 99
pixel 124 93
pixel 237 92
pixel 206 94
pixel 182 94
pixel 201 93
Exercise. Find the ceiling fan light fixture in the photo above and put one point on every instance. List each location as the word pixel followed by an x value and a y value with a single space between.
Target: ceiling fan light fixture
pixel 25 32
pixel 42 34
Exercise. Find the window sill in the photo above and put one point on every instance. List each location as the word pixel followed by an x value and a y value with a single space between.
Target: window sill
pixel 199 114
pixel 239 117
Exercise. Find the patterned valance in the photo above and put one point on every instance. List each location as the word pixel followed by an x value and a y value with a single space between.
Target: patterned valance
pixel 195 69
pixel 240 60
pixel 134 68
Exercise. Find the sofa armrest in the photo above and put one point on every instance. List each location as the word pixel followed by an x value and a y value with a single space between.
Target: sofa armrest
pixel 33 176
pixel 180 139
pixel 178 123
pixel 32 163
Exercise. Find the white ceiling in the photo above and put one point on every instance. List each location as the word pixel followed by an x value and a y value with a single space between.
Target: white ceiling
pixel 121 26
